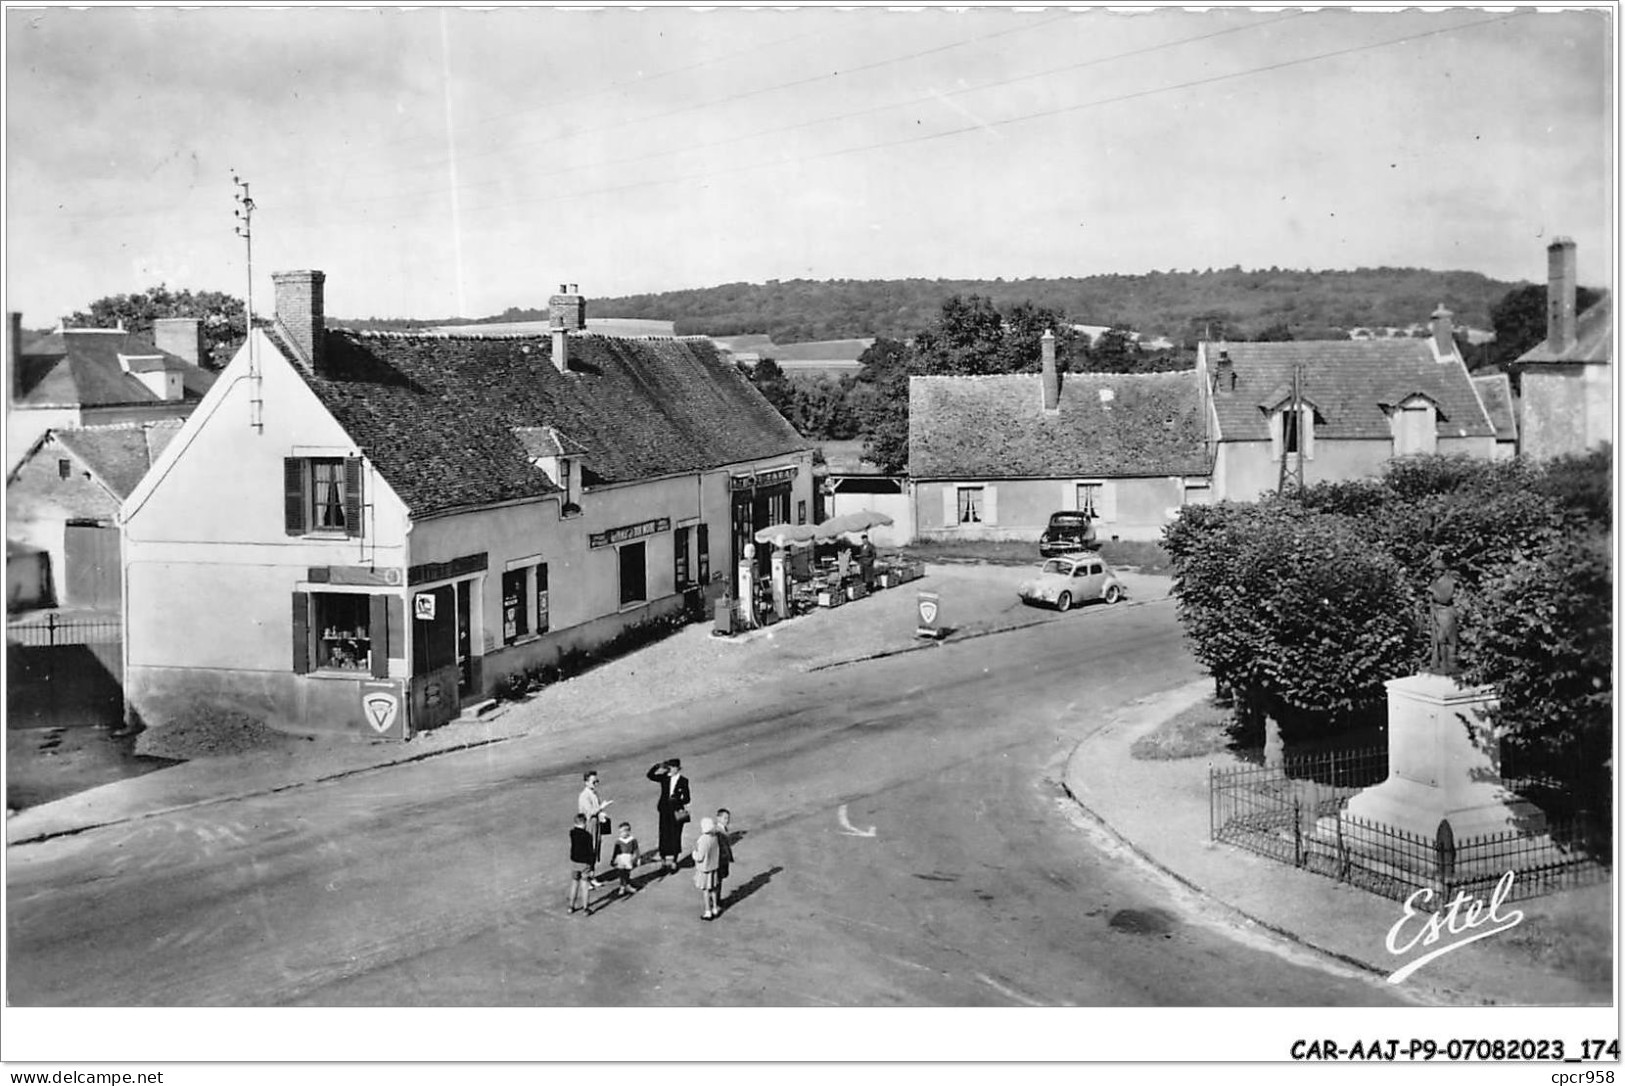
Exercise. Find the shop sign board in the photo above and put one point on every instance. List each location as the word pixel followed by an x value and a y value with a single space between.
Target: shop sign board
pixel 355 575
pixel 929 609
pixel 423 606
pixel 629 532
pixel 757 479
pixel 382 711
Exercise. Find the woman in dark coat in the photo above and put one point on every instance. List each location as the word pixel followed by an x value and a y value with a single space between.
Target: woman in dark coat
pixel 674 797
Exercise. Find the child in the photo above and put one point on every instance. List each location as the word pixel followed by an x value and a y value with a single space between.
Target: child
pixel 705 868
pixel 625 858
pixel 725 851
pixel 581 863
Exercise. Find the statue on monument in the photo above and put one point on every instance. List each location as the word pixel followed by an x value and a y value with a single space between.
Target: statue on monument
pixel 1446 628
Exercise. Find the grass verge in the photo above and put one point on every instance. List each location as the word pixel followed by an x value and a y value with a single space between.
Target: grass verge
pixel 1204 728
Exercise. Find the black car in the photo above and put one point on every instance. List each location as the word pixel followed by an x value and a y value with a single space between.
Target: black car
pixel 1069 532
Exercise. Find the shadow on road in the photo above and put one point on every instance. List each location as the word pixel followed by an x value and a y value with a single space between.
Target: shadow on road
pixel 746 889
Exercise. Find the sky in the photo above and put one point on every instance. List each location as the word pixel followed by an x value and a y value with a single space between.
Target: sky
pixel 440 162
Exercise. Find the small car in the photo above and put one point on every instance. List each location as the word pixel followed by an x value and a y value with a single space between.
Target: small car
pixel 1070 531
pixel 1062 582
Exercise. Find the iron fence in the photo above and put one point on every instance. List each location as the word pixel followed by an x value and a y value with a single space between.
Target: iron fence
pixel 53 629
pixel 1294 813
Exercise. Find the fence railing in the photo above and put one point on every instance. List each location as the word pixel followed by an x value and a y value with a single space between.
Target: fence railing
pixel 1293 813
pixel 54 629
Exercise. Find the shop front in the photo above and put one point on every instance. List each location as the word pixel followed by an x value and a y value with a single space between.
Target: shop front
pixel 761 499
pixel 445 666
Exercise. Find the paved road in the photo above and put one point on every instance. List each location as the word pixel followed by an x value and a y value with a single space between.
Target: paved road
pixel 442 882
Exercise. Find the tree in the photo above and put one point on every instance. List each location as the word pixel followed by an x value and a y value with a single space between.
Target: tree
pixel 770 381
pixel 220 314
pixel 1114 351
pixel 880 403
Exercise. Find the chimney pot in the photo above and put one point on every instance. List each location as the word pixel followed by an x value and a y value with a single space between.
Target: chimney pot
pixel 1561 290
pixel 299 310
pixel 1224 374
pixel 1051 378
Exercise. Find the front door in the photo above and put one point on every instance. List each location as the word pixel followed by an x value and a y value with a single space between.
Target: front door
pixel 436 672
pixel 467 664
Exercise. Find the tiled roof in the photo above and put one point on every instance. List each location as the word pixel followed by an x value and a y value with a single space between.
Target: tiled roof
pixel 1593 338
pixel 1110 425
pixel 120 455
pixel 1495 393
pixel 1348 382
pixel 629 327
pixel 79 367
pixel 441 417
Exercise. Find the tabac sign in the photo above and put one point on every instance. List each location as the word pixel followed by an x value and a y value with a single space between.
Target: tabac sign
pixel 629 532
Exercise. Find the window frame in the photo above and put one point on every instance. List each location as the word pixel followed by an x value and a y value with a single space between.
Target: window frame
pixel 318 624
pixel 978 492
pixel 299 496
pixel 621 554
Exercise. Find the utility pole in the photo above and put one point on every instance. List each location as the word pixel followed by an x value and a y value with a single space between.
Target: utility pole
pixel 245 230
pixel 1296 417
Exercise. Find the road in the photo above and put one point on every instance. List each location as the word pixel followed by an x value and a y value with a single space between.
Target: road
pixel 906 843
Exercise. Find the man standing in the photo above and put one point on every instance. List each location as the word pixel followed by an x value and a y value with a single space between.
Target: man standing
pixel 866 562
pixel 671 809
pixel 590 807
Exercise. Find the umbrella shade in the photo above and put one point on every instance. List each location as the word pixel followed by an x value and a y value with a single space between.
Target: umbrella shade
pixel 783 535
pixel 855 522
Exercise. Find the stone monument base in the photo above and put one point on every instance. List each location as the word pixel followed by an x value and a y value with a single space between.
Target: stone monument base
pixel 1444 764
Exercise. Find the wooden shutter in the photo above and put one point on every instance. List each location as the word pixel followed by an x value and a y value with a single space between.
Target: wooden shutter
pixel 990 505
pixel 950 505
pixel 301 633
pixel 378 628
pixel 1108 501
pixel 352 496
pixel 702 542
pixel 293 488
pixel 395 626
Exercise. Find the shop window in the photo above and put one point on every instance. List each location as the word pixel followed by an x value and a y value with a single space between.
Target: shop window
pixel 634 574
pixel 322 494
pixel 515 605
pixel 541 598
pixel 702 541
pixel 679 548
pixel 343 625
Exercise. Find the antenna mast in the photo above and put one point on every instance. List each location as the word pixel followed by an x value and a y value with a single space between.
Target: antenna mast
pixel 245 230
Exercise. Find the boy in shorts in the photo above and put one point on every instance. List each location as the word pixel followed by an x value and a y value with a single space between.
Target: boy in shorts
pixel 582 862
pixel 624 858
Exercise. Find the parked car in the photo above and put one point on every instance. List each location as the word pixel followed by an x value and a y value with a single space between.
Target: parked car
pixel 1062 582
pixel 1070 531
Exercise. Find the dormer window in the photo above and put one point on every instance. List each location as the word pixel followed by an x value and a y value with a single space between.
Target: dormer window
pixel 1415 424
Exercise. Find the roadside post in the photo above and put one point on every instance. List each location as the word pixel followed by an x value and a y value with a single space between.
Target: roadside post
pixel 928 607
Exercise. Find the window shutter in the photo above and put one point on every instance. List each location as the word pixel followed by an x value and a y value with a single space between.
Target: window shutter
pixel 950 505
pixel 352 496
pixel 990 505
pixel 1071 496
pixel 301 633
pixel 293 488
pixel 395 626
pixel 378 627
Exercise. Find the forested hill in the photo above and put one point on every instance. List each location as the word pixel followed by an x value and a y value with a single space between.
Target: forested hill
pixel 1178 304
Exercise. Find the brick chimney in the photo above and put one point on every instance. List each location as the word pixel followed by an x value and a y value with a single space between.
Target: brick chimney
pixel 1560 294
pixel 180 336
pixel 1444 334
pixel 568 312
pixel 299 312
pixel 1052 379
pixel 14 354
pixel 1224 375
